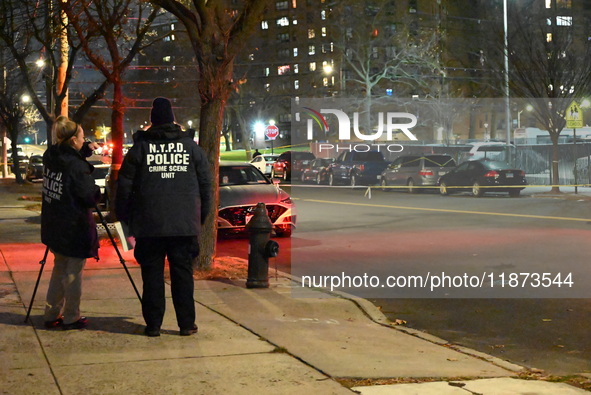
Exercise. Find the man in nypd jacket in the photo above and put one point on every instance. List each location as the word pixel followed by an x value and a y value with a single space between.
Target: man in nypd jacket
pixel 164 194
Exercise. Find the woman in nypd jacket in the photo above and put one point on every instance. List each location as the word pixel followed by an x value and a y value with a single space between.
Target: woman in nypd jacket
pixel 67 224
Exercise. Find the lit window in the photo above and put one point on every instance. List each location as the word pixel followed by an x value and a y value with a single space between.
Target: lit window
pixel 324 32
pixel 295 52
pixel 283 21
pixel 266 71
pixel 172 38
pixel 296 84
pixel 311 50
pixel 311 33
pixel 549 37
pixel 172 26
pixel 251 56
pixel 548 3
pixel 295 69
pixel 312 66
pixel 267 87
pixel 325 81
pixel 564 21
pixel 167 59
pixel 564 3
pixel 281 70
pixel 294 21
pixel 264 25
pixel 323 15
pixel 294 4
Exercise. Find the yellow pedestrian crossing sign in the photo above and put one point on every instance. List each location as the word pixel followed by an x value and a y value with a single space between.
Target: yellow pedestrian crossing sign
pixel 574 116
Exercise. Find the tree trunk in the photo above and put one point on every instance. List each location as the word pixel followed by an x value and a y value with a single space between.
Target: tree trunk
pixel 555 159
pixel 211 121
pixel 117 140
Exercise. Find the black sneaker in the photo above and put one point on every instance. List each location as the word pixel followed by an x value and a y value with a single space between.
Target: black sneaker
pixel 189 332
pixel 54 324
pixel 151 332
pixel 80 324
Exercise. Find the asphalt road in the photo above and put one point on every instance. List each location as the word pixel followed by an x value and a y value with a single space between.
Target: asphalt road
pixel 343 231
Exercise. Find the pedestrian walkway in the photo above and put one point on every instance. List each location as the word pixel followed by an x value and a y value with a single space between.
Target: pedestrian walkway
pixel 250 341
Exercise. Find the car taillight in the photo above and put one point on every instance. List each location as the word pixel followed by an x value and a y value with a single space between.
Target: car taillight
pixel 361 167
pixel 425 172
pixel 492 173
pixel 521 173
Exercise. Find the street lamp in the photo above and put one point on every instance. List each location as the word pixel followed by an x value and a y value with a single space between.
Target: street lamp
pixel 528 108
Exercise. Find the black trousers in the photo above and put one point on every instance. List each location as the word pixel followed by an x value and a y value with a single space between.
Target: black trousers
pixel 150 253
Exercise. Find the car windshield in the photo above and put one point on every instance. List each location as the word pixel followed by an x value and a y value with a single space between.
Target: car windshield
pixel 439 160
pixel 303 155
pixel 496 165
pixel 241 175
pixel 492 148
pixel 269 158
pixel 371 156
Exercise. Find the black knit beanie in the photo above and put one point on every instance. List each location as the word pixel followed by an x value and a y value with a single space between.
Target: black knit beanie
pixel 161 111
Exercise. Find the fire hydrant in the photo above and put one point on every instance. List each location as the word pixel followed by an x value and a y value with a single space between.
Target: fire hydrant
pixel 260 249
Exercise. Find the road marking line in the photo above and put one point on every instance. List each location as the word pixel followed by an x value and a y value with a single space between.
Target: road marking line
pixel 449 211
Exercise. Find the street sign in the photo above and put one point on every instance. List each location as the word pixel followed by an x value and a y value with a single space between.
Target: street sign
pixel 272 132
pixel 574 116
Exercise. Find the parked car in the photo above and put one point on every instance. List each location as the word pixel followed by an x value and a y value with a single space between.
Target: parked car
pixel 290 164
pixel 480 176
pixel 35 168
pixel 316 171
pixel 23 160
pixel 101 176
pixel 416 170
pixel 242 186
pixel 356 168
pixel 264 162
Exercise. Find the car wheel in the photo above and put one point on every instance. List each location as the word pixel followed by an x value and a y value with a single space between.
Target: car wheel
pixel 443 191
pixel 514 192
pixel 331 181
pixel 477 190
pixel 353 180
pixel 384 185
pixel 411 186
pixel 284 232
pixel 318 179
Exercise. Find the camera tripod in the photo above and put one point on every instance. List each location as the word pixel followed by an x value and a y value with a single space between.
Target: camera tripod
pixel 121 260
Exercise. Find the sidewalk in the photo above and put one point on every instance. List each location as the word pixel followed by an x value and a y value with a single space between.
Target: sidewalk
pixel 259 341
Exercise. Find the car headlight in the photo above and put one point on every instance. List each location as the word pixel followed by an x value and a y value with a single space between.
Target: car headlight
pixel 287 200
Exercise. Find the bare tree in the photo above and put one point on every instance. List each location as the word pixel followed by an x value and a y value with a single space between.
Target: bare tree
pixel 217 31
pixel 380 49
pixel 12 110
pixel 30 30
pixel 549 57
pixel 117 29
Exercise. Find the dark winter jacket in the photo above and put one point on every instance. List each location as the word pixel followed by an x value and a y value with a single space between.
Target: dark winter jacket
pixel 164 186
pixel 69 197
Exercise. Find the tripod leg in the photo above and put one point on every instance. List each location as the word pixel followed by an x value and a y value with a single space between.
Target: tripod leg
pixel 102 218
pixel 42 263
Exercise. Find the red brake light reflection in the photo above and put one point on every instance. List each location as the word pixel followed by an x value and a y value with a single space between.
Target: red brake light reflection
pixel 492 173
